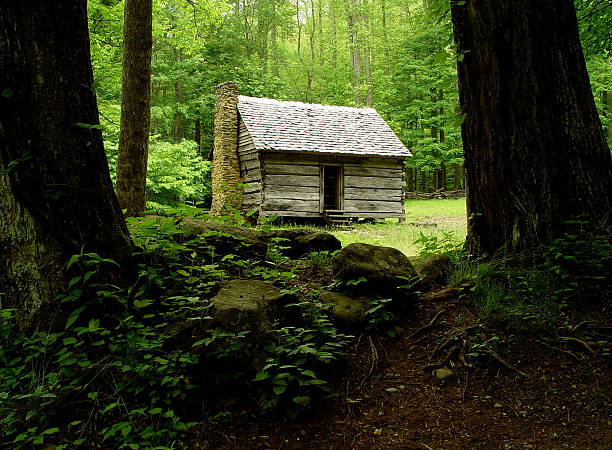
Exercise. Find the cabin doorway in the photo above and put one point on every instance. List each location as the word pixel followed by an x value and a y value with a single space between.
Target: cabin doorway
pixel 332 188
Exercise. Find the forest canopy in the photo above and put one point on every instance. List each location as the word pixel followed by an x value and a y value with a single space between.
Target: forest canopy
pixel 397 56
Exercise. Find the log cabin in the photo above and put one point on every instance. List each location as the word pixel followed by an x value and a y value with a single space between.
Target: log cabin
pixel 293 159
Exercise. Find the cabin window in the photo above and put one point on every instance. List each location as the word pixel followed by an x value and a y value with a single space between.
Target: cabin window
pixel 332 187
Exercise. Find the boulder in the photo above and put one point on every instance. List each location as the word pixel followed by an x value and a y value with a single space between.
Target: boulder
pixel 433 270
pixel 227 239
pixel 380 266
pixel 443 376
pixel 347 311
pixel 248 305
pixel 303 241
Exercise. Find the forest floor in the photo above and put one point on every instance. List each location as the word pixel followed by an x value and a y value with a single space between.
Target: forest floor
pixel 532 392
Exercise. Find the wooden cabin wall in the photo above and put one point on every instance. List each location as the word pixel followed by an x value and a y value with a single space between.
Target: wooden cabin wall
pixel 374 186
pixel 250 169
pixel 291 185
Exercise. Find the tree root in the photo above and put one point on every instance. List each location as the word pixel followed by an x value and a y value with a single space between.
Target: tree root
pixel 577 341
pixel 426 326
pixel 374 361
pixel 557 349
pixel 504 362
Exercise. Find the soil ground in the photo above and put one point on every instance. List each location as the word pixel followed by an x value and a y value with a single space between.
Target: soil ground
pixel 388 397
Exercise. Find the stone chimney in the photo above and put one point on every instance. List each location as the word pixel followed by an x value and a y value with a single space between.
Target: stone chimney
pixel 226 181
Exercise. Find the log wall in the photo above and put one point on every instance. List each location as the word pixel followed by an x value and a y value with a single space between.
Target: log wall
pixel 250 169
pixel 291 185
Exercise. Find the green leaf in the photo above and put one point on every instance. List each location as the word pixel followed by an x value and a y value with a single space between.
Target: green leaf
pixel 142 303
pixel 89 126
pixel 279 389
pixel 301 400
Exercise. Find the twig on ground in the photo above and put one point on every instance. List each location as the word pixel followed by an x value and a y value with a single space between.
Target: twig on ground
pixel 282 441
pixel 426 446
pixel 374 361
pixel 467 377
pixel 424 327
pixel 584 322
pixel 504 362
pixel 449 340
pixel 557 349
pixel 449 354
pixel 358 341
pixel 577 341
pixel 383 348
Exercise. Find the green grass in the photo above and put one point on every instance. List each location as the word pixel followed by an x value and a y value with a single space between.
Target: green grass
pixel 448 214
pixel 424 208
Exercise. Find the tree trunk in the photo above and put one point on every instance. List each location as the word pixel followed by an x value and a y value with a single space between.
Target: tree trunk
pixel 355 49
pixel 198 135
pixel 299 26
pixel 135 106
pixel 457 176
pixel 607 101
pixel 275 59
pixel 56 196
pixel 179 118
pixel 534 151
pixel 334 42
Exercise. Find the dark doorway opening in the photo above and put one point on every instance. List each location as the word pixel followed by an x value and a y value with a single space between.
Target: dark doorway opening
pixel 332 188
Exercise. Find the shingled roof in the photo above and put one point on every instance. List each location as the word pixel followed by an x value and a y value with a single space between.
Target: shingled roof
pixel 306 127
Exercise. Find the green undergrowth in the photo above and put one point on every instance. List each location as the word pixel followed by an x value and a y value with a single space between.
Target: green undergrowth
pixel 571 274
pixel 139 366
pixel 448 215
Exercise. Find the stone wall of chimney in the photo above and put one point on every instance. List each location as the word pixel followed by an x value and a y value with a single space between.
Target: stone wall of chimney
pixel 226 181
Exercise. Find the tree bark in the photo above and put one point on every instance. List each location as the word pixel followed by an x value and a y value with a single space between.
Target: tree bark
pixel 56 195
pixel 534 151
pixel 607 101
pixel 179 118
pixel 135 106
pixel 198 135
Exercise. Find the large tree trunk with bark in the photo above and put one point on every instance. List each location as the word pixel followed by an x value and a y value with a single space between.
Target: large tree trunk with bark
pixel 135 106
pixel 534 151
pixel 56 195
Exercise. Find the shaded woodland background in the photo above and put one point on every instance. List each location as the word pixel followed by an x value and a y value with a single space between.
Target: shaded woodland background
pixel 396 56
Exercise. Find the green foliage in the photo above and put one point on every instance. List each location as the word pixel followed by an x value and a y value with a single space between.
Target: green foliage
pixel 176 173
pixel 120 374
pixel 299 362
pixel 125 367
pixel 430 245
pixel 580 262
pixel 530 297
pixel 320 260
pixel 299 51
pixel 594 18
pixel 379 316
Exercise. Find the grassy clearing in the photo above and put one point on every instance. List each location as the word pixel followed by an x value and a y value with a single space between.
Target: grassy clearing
pixel 448 214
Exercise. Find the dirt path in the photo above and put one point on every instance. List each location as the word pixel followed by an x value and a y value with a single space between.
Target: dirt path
pixel 396 403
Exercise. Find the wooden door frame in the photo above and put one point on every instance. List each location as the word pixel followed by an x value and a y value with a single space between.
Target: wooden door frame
pixel 339 186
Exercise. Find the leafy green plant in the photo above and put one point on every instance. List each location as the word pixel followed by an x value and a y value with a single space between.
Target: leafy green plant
pixel 580 262
pixel 430 245
pixel 276 246
pixel 299 361
pixel 319 260
pixel 379 316
pixel 114 372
